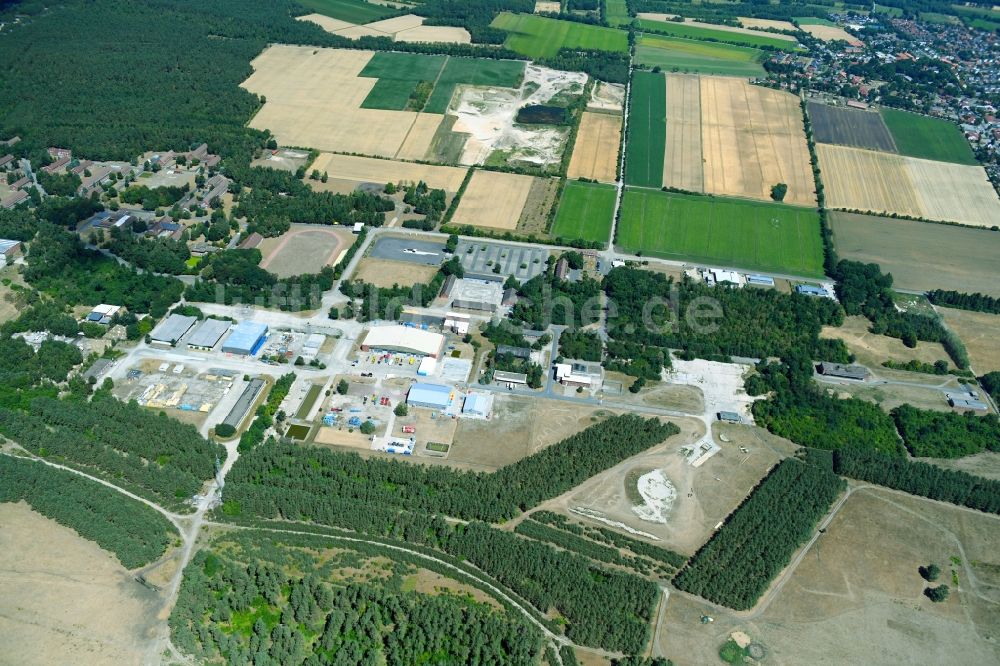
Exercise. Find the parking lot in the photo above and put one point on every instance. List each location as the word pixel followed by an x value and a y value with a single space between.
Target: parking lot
pixel 426 253
pixel 482 257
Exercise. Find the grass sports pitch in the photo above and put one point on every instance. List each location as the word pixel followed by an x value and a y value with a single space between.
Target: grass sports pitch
pixel 540 37
pixel 399 73
pixel 689 55
pixel 929 138
pixel 352 11
pixel 647 130
pixel 731 232
pixel 585 212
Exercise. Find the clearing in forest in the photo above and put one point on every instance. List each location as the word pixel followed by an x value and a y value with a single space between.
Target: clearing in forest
pixel 494 200
pixel 857 179
pixel 595 153
pixel 727 232
pixel 585 212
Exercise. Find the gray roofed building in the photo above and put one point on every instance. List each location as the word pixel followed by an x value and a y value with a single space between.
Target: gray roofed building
pixel 730 417
pixel 965 402
pixel 479 306
pixel 858 372
pixel 14 199
pixel 243 405
pixel 5 161
pixel 510 377
pixel 172 329
pixel 516 352
pixel 208 333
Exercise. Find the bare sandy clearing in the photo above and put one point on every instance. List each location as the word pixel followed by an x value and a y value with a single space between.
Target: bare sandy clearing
pixel 765 128
pixel 64 600
pixel 386 272
pixel 860 179
pixel 391 26
pixel 606 97
pixel 595 154
pixel 438 34
pixel 327 23
pixel 314 98
pixel 542 6
pixel 493 200
pixel 979 331
pixel 373 170
pixel 682 161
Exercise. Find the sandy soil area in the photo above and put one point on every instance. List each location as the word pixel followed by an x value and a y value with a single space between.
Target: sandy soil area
pixel 305 249
pixel 683 166
pixel 872 349
pixel 63 600
pixel 752 138
pixel 493 200
pixel 386 272
pixel 857 597
pixel 595 154
pixel 439 34
pixel 542 6
pixel 326 22
pixel 314 98
pixel 764 24
pixel 372 170
pixel 487 116
pixel 606 97
pixel 882 183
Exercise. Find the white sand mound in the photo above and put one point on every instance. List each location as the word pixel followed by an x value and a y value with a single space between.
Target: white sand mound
pixel 658 496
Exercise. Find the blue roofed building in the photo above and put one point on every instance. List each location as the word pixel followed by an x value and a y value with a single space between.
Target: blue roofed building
pixel 432 396
pixel 246 339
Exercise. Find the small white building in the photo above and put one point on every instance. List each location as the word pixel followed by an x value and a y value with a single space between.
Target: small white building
pixel 567 377
pixel 428 365
pixel 457 322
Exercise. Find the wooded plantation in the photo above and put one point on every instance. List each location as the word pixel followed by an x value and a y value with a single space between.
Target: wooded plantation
pixel 758 539
pixel 167 464
pixel 975 302
pixel 278 599
pixel 133 532
pixel 929 434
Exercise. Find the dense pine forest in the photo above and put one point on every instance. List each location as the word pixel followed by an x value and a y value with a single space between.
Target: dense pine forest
pixel 758 539
pixel 133 532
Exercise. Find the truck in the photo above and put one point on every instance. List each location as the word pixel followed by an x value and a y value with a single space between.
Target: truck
pixel 409 430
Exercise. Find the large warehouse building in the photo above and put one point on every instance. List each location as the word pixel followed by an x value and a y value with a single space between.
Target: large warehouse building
pixel 246 339
pixel 432 396
pixel 208 333
pixel 405 339
pixel 172 329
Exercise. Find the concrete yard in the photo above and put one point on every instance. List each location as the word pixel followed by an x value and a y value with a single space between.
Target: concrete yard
pixel 480 257
pixel 427 253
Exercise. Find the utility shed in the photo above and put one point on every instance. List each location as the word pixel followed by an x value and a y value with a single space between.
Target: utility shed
pixel 858 372
pixel 172 329
pixel 432 396
pixel 510 377
pixel 478 404
pixel 961 402
pixel 208 333
pixel 246 339
pixel 730 417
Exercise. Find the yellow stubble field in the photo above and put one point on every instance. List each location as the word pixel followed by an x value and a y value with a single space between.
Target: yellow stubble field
pixel 374 170
pixel 682 160
pixel 752 139
pixel 314 98
pixel 867 180
pixel 494 200
pixel 595 153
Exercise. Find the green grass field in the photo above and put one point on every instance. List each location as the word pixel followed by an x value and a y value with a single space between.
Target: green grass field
pixel 647 130
pixel 399 73
pixel 698 32
pixel 689 55
pixel 745 234
pixel 541 37
pixel 585 211
pixel 929 138
pixel 813 20
pixel 473 71
pixel 352 11
pixel 617 12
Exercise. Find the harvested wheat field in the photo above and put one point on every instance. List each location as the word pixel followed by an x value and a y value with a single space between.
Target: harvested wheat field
pixel 753 138
pixel 682 161
pixel 882 183
pixel 765 24
pixel 979 331
pixel 373 170
pixel 830 33
pixel 326 22
pixel 407 28
pixel 438 34
pixel 542 6
pixel 314 98
pixel 493 200
pixel 595 153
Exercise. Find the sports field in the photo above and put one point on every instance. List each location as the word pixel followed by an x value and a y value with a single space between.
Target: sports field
pixel 647 130
pixel 921 255
pixel 352 11
pixel 541 37
pixel 585 211
pixel 399 74
pixel 928 138
pixel 689 55
pixel 742 36
pixel 728 232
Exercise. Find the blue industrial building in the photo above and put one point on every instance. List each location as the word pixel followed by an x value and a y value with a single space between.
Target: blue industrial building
pixel 246 339
pixel 432 396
